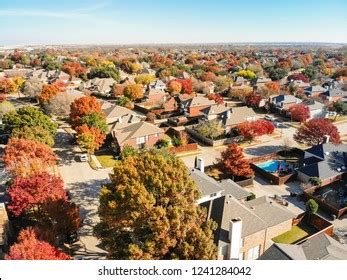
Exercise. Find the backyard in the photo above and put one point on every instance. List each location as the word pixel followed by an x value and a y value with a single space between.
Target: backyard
pixel 297 233
pixel 106 158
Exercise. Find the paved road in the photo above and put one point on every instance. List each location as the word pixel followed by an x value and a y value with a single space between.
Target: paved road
pixel 84 185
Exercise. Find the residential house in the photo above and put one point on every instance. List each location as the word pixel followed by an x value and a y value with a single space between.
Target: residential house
pixel 4 229
pixel 259 82
pixel 314 91
pixel 283 102
pixel 157 85
pixel 98 85
pixel 138 135
pixel 148 71
pixel 245 229
pixel 215 111
pixel 317 109
pixel 238 115
pixel 318 247
pixel 49 76
pixel 209 188
pixel 241 81
pixel 194 105
pixel 325 161
pixel 298 84
pixel 154 95
pixel 115 112
pixel 333 94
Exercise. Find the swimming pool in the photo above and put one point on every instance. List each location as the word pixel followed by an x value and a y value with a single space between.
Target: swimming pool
pixel 273 165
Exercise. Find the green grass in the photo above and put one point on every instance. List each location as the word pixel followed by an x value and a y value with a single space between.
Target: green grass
pixel 106 158
pixel 295 234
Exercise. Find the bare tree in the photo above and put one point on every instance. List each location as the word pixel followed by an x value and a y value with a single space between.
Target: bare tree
pixel 60 104
pixel 32 88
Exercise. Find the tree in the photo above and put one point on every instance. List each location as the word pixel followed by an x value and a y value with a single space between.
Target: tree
pixel 269 88
pixel 174 86
pixel 74 68
pixel 144 79
pixel 240 92
pixel 222 84
pixel 277 73
pixel 216 97
pixel 340 107
pixel 311 206
pixel 186 85
pixel 210 129
pixel 89 138
pixel 299 112
pixel 50 62
pixel 5 107
pixel 96 120
pixel 253 100
pixel 82 107
pixel 247 74
pixel 315 181
pixel 250 129
pixel 60 104
pixel 7 86
pixel 232 161
pixel 35 133
pixel 58 219
pixel 33 88
pixel 105 71
pixel 149 211
pixel 133 91
pixel 208 76
pixel 310 72
pixel 298 76
pixel 25 157
pixel 28 194
pixel 19 82
pixel 315 131
pixel 48 92
pixel 28 116
pixel 125 102
pixel 29 247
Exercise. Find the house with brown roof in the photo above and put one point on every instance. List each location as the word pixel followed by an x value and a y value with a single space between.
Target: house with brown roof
pixel 245 229
pixel 238 115
pixel 193 105
pixel 98 85
pixel 138 135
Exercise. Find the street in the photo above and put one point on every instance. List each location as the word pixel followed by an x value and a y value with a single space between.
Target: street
pixel 84 184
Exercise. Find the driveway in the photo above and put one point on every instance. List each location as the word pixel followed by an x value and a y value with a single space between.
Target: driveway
pixel 84 184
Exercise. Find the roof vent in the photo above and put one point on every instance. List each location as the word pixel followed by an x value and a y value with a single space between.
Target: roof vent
pixel 338 169
pixel 326 153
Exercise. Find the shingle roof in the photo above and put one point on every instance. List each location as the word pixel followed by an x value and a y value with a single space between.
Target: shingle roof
pixel 230 187
pixel 135 130
pixel 215 109
pixel 239 115
pixel 318 247
pixel 205 183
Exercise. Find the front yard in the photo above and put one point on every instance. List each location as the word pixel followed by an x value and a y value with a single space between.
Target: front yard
pixel 106 158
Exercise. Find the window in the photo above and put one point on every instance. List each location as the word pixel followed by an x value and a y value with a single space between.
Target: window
pixel 141 140
pixel 253 253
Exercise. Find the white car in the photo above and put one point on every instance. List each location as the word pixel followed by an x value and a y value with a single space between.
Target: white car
pixel 83 157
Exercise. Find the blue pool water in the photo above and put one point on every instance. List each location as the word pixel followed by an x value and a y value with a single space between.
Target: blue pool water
pixel 272 165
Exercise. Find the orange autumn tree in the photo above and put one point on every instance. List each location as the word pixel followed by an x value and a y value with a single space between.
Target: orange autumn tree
pixel 133 91
pixel 89 138
pixel 74 68
pixel 25 157
pixel 174 86
pixel 82 107
pixel 29 247
pixel 48 92
pixel 233 162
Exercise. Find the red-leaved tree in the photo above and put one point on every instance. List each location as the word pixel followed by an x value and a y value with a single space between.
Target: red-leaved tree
pixel 253 100
pixel 233 161
pixel 315 131
pixel 250 129
pixel 216 97
pixel 299 112
pixel 29 247
pixel 74 68
pixel 28 194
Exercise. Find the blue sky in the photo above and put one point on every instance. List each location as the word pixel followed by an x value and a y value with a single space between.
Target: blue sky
pixel 154 21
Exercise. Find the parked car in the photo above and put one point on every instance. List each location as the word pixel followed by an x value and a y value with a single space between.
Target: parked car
pixel 83 157
pixel 269 118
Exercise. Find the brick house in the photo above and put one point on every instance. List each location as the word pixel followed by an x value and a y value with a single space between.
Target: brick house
pixel 245 229
pixel 137 135
pixel 194 105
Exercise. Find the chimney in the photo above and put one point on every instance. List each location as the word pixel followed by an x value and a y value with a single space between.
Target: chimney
pixel 120 119
pixel 326 139
pixel 228 114
pixel 235 230
pixel 200 164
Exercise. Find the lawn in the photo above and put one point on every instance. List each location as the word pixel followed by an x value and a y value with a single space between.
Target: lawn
pixel 295 234
pixel 106 158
